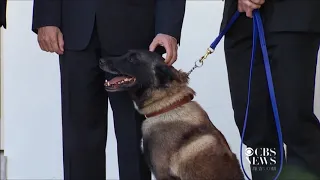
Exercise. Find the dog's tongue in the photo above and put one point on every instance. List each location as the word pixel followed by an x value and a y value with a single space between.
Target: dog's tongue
pixel 117 79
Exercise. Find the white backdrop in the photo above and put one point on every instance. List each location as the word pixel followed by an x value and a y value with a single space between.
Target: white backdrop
pixel 31 91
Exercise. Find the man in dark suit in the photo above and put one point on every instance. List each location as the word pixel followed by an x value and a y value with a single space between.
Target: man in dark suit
pixel 292 32
pixel 3 9
pixel 81 32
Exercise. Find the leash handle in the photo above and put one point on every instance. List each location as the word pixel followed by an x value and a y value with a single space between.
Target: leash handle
pixel 258 31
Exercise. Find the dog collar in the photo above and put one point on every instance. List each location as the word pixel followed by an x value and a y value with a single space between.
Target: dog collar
pixel 181 102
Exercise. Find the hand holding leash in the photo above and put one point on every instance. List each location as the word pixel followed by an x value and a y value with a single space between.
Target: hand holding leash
pixel 248 6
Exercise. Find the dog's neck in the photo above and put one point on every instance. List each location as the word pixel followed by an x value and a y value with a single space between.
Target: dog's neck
pixel 186 99
pixel 164 100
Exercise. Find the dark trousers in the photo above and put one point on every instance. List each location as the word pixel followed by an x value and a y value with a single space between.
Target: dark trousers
pixel 84 120
pixel 293 57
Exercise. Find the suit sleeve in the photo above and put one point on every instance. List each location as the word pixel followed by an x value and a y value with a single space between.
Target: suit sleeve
pixel 169 17
pixel 46 13
pixel 3 8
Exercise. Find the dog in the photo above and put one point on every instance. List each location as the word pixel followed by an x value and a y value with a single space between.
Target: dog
pixel 179 140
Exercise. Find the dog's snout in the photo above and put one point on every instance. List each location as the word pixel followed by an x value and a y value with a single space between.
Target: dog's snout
pixel 107 66
pixel 104 62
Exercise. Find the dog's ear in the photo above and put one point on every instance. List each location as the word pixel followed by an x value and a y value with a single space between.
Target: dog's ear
pixel 167 74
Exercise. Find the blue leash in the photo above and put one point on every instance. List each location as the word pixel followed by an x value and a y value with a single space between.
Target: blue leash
pixel 258 30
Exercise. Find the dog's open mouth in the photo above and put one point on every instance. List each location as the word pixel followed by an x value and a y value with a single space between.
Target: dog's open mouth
pixel 123 81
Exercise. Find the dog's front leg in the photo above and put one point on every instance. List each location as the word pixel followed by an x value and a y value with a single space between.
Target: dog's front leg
pixel 161 170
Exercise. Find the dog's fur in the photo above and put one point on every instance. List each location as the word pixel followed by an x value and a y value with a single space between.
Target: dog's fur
pixel 180 144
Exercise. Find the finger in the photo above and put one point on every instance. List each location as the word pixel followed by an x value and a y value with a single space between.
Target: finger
pixel 251 5
pixel 41 42
pixel 169 52
pixel 174 54
pixel 54 45
pixel 153 45
pixel 50 47
pixel 240 9
pixel 171 62
pixel 249 13
pixel 46 41
pixel 46 46
pixel 60 43
pixel 259 2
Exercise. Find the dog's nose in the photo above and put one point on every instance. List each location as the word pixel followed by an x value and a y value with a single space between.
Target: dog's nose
pixel 104 63
pixel 102 60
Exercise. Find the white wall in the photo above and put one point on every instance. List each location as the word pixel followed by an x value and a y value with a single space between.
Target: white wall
pixel 31 99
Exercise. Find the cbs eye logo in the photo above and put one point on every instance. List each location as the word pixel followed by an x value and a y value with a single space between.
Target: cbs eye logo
pixel 249 152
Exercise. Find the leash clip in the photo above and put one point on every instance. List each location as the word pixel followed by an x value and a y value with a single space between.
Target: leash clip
pixel 199 63
pixel 205 56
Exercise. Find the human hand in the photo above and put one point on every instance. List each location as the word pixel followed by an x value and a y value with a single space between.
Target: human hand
pixel 248 6
pixel 170 45
pixel 50 39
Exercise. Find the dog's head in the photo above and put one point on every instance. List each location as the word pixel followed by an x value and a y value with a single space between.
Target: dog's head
pixel 140 71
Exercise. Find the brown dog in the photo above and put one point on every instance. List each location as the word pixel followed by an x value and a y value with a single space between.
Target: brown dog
pixel 179 140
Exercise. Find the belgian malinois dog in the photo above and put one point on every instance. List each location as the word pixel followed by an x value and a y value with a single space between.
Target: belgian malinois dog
pixel 179 140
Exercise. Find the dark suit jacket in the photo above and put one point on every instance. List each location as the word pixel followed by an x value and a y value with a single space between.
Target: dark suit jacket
pixel 121 24
pixel 3 7
pixel 284 15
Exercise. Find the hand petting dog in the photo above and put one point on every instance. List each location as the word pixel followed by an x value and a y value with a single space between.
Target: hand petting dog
pixel 170 45
pixel 248 6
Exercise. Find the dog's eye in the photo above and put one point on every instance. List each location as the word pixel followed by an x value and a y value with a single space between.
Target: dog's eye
pixel 131 58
